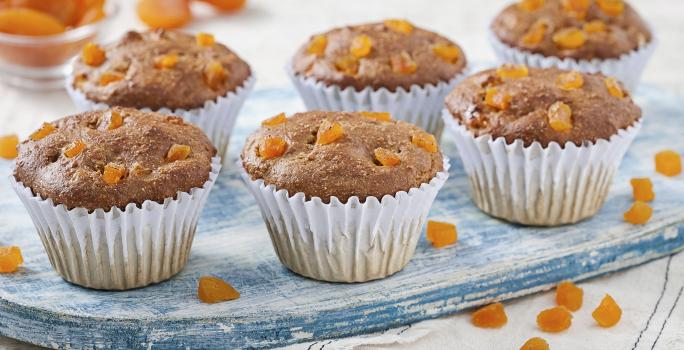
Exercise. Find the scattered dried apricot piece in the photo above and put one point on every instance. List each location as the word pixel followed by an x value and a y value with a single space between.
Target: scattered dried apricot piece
pixel 569 38
pixel 496 98
pixel 399 25
pixel 107 78
pixel 570 81
pixel 348 65
pixel 668 163
pixel 115 120
pixel 386 157
pixel 205 39
pixel 569 295
pixel 560 117
pixel 530 5
pixel 441 234
pixel 75 149
pixel 10 259
pixel 577 8
pixel 113 173
pixel 535 343
pixel 361 46
pixel 213 290
pixel 272 147
pixel 23 21
pixel 639 213
pixel 425 141
pixel 642 189
pixel 611 7
pixel 329 133
pixel 164 13
pixel 595 26
pixel 490 316
pixel 512 71
pixel 447 52
pixel 45 130
pixel 214 75
pixel 614 87
pixel 227 5
pixel 92 54
pixel 177 152
pixel 403 63
pixel 275 120
pixel 536 33
pixel 166 61
pixel 554 320
pixel 317 45
pixel 608 313
pixel 8 146
pixel 382 116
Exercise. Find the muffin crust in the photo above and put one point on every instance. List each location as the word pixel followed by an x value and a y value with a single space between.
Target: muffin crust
pixel 143 139
pixel 346 167
pixel 146 86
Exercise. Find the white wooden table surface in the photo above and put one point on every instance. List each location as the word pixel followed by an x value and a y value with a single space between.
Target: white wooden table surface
pixel 267 33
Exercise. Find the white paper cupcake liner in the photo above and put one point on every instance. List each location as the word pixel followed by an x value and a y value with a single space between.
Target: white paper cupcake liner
pixel 535 185
pixel 420 105
pixel 627 68
pixel 345 242
pixel 217 118
pixel 118 249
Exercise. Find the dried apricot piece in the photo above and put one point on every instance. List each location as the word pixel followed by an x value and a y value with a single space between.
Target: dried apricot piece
pixel 536 33
pixel 569 38
pixel 382 116
pixel 554 320
pixel 275 120
pixel 611 7
pixel 272 147
pixel 361 46
pixel 329 133
pixel 205 39
pixel 164 13
pixel 595 26
pixel 425 141
pixel 317 45
pixel 10 259
pixel 45 130
pixel 441 234
pixel 569 295
pixel 642 189
pixel 530 5
pixel 560 117
pixel 668 163
pixel 215 75
pixel 614 87
pixel 177 152
pixel 75 149
pixel 399 25
pixel 23 21
pixel 8 146
pixel 107 78
pixel 92 55
pixel 496 98
pixel 490 316
pixel 447 52
pixel 213 290
pixel 639 213
pixel 512 71
pixel 608 313
pixel 570 81
pixel 535 343
pixel 348 65
pixel 577 8
pixel 403 63
pixel 115 120
pixel 113 173
pixel 227 5
pixel 386 157
pixel 167 61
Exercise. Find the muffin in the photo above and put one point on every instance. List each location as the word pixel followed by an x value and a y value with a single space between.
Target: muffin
pixel 540 146
pixel 389 66
pixel 344 194
pixel 115 194
pixel 606 36
pixel 191 76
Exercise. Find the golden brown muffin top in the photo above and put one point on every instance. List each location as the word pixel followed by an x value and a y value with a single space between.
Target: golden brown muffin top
pixel 391 54
pixel 530 107
pixel 137 143
pixel 348 164
pixel 157 69
pixel 579 29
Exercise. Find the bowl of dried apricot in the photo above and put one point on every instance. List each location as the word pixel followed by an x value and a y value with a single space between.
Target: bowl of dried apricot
pixel 39 37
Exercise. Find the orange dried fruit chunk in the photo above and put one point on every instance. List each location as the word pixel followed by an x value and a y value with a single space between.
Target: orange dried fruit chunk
pixel 425 141
pixel 668 163
pixel 213 290
pixel 399 25
pixel 166 61
pixel 536 33
pixel 205 39
pixel 386 157
pixel 614 87
pixel 530 5
pixel 23 21
pixel 608 313
pixel 490 316
pixel 278 119
pixel 639 213
pixel 560 117
pixel 227 5
pixel 113 173
pixel 569 295
pixel 215 75
pixel 347 64
pixel 107 78
pixel 441 234
pixel 45 130
pixel 554 320
pixel 512 71
pixel 570 80
pixel 115 120
pixel 642 189
pixel 569 38
pixel 65 11
pixel 272 147
pixel 403 63
pixel 164 13
pixel 92 55
pixel 177 152
pixel 447 52
pixel 10 259
pixel 611 7
pixel 8 146
pixel 496 98
pixel 577 8
pixel 595 26
pixel 329 133
pixel 361 46
pixel 535 343
pixel 75 149
pixel 317 45
pixel 382 116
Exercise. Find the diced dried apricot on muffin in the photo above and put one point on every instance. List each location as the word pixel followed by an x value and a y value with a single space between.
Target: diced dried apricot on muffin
pixel 329 133
pixel 386 157
pixel 275 120
pixel 272 147
pixel 45 130
pixel 93 55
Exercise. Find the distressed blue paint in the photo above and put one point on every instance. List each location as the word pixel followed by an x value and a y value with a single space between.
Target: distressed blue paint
pixel 493 260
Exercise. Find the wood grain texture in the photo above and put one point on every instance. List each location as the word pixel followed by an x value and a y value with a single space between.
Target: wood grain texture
pixel 492 261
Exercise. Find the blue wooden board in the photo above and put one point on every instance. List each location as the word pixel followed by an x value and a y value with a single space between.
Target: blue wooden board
pixel 493 260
